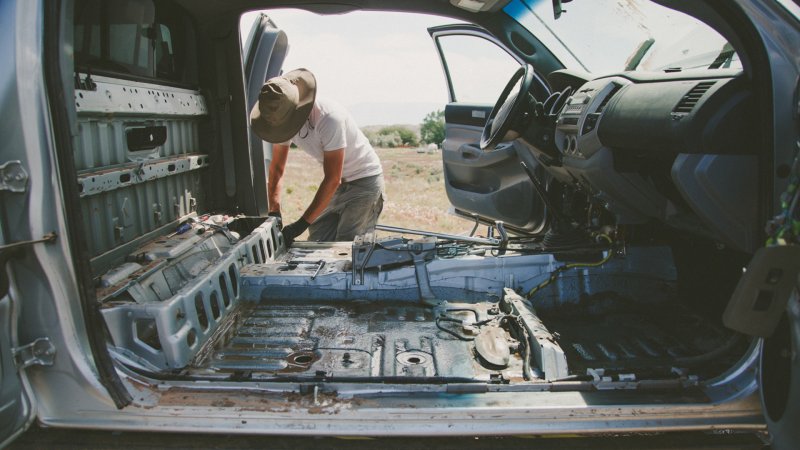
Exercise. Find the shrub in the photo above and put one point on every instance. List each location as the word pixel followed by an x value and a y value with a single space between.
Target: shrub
pixel 432 129
pixel 392 136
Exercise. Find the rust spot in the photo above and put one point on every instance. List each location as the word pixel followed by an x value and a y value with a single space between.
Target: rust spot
pixel 326 402
pixel 224 403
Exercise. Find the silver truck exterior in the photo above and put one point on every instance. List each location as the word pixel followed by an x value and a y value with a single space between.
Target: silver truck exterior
pixel 56 368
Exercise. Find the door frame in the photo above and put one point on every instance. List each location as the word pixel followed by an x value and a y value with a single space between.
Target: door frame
pixel 263 59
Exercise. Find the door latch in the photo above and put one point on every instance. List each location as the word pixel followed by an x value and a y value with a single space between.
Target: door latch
pixel 40 352
pixel 13 177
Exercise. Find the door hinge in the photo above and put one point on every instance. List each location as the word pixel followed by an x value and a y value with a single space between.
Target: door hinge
pixel 40 352
pixel 13 177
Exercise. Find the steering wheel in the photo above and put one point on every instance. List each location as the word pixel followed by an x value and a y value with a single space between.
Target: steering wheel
pixel 508 107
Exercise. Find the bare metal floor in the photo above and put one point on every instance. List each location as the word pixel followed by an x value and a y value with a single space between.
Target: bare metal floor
pixel 607 331
pixel 385 340
pixel 351 340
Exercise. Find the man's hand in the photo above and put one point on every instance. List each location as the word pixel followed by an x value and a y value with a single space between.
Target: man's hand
pixel 291 231
pixel 277 215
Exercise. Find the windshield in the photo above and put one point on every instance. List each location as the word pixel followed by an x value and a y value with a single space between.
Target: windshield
pixel 606 36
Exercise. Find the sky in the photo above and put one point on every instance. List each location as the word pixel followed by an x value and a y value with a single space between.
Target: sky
pixel 383 67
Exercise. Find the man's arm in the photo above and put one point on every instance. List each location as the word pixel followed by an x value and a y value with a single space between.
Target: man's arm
pixel 332 166
pixel 276 167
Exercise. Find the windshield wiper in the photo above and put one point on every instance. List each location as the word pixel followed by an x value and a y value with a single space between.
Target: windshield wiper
pixel 724 58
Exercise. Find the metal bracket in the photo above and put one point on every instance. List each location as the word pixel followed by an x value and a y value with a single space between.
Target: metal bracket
pixel 40 352
pixel 369 253
pixel 7 251
pixel 503 236
pixel 422 252
pixel 546 352
pixel 13 177
pixel 97 181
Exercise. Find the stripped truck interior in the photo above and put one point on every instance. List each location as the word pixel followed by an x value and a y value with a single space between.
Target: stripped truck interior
pixel 191 290
pixel 603 287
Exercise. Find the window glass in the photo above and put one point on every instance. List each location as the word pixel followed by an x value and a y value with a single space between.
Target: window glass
pixel 126 46
pixel 479 69
pixel 609 36
pixel 133 37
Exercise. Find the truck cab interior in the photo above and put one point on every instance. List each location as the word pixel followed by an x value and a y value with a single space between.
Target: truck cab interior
pixel 613 216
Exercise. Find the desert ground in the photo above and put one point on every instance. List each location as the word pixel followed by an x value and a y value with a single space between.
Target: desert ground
pixel 415 195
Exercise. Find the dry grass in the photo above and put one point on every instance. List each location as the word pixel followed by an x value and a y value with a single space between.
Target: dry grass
pixel 414 190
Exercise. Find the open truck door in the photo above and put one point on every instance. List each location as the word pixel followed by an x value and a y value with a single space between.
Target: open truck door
pixel 264 52
pixel 489 185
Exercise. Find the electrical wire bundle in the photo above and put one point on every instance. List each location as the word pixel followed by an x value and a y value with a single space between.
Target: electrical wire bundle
pixel 554 274
pixel 784 229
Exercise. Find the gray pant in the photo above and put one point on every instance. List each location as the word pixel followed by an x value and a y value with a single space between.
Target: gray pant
pixel 353 210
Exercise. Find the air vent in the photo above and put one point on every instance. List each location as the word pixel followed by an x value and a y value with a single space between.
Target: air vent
pixel 605 101
pixel 689 101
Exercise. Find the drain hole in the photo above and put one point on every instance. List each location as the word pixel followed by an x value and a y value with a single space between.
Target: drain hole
pixel 412 358
pixel 303 359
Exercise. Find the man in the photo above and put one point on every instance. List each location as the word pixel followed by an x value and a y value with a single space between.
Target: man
pixel 350 197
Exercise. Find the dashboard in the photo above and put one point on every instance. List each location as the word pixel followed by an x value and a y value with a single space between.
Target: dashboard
pixel 678 148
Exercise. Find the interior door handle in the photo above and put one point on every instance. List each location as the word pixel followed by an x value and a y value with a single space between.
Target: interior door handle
pixel 470 153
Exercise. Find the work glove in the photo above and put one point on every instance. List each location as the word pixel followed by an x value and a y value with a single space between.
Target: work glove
pixel 291 231
pixel 277 215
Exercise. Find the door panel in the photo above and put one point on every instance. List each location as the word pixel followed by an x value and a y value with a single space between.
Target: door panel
pixel 264 60
pixel 469 115
pixel 463 125
pixel 492 185
pixel 489 184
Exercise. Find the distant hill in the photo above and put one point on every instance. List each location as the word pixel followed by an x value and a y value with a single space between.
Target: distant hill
pixel 392 113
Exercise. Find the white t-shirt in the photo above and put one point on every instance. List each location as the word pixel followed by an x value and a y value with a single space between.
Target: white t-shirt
pixel 330 127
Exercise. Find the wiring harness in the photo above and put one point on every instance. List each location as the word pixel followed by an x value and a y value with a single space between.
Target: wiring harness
pixel 555 274
pixel 784 229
